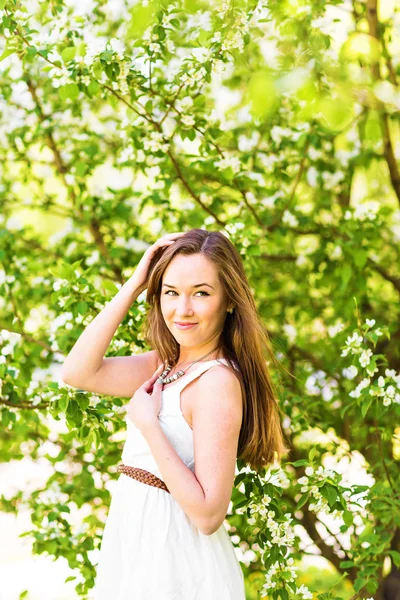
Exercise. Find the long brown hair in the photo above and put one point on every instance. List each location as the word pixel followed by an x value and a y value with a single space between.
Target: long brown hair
pixel 244 342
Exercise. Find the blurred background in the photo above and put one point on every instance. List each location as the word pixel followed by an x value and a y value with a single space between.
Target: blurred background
pixel 277 123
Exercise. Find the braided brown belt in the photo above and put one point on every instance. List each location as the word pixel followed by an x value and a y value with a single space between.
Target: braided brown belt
pixel 143 476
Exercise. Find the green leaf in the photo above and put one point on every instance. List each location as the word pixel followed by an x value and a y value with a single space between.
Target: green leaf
pixel 6 53
pixel 68 53
pixel 262 93
pixel 51 546
pixel 344 409
pixel 90 438
pixel 330 493
pixel 81 168
pixel 141 18
pixel 346 564
pixel 360 257
pixel 366 405
pixel 109 286
pixel 240 478
pixel 304 498
pixel 396 557
pixel 336 113
pixel 107 55
pixel 214 132
pixel 348 518
pixel 81 49
pixel 346 272
pixel 93 88
pixel 5 417
pixel 83 401
pixel 242 503
pixel 82 307
pixel 63 403
pixel 300 463
pixel 53 385
pixel 284 594
pixel 69 91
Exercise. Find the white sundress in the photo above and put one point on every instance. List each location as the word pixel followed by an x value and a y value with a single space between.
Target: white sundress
pixel 150 549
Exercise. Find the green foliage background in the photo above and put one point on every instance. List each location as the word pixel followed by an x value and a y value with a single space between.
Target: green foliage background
pixel 113 132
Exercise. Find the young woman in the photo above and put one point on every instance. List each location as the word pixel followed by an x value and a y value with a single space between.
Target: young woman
pixel 199 399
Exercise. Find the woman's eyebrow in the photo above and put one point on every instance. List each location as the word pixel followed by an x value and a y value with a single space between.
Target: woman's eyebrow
pixel 195 286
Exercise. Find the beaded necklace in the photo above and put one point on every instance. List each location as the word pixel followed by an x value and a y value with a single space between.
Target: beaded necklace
pixel 163 377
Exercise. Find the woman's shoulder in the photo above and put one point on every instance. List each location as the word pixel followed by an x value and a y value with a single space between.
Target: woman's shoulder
pixel 221 376
pixel 226 367
pixel 230 363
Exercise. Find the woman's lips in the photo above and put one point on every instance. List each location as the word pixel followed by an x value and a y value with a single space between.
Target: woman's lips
pixel 185 326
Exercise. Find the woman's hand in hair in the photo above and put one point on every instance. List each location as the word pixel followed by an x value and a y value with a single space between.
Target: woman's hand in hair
pixel 141 273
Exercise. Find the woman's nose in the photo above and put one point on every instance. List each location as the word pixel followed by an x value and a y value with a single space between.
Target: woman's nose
pixel 184 307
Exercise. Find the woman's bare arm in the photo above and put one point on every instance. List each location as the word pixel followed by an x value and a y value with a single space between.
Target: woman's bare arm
pixel 85 366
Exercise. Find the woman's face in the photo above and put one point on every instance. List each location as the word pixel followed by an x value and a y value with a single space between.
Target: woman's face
pixel 184 300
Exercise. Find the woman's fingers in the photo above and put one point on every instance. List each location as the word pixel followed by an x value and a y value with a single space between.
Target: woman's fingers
pixel 153 378
pixel 169 238
pixel 173 235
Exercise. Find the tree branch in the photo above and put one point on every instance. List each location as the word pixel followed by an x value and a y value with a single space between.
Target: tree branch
pixel 394 280
pixel 374 30
pixel 24 405
pixel 62 169
pixel 27 337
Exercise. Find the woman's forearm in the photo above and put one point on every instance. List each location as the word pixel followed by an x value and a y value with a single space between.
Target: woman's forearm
pixel 180 480
pixel 87 354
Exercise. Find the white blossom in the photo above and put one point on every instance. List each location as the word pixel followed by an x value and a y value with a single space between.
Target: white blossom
pixel 188 120
pixel 334 251
pixel 363 384
pixel 365 357
pixel 312 177
pixel 216 37
pixel 156 142
pixel 290 331
pixel 350 372
pixel 353 343
pixel 332 179
pixel 183 104
pixel 333 330
pixel 118 46
pixel 289 219
pixel 304 592
pixel 367 211
pixel 277 133
pixel 230 161
pixel 59 283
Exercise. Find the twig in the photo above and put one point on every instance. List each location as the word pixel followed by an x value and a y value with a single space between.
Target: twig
pixel 380 449
pixel 374 30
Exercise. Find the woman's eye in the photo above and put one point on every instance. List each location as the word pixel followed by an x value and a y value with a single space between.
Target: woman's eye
pixel 201 292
